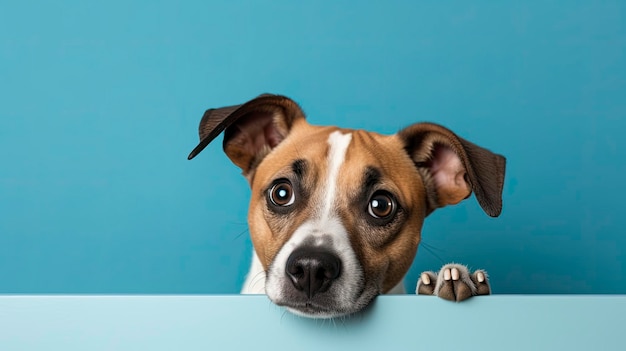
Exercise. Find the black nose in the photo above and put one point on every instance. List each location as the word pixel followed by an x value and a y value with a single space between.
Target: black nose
pixel 312 270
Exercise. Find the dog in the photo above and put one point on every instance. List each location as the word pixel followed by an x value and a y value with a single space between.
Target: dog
pixel 335 214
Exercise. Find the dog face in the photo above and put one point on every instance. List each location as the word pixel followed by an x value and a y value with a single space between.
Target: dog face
pixel 335 214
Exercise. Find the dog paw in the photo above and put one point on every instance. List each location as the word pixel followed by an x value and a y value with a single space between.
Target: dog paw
pixel 454 282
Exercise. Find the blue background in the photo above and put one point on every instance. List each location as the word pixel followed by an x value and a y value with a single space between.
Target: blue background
pixel 100 101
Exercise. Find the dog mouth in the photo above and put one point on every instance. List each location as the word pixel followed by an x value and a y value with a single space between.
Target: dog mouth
pixel 312 310
pixel 326 309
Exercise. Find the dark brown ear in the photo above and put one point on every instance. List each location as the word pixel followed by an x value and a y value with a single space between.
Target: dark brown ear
pixel 453 167
pixel 252 130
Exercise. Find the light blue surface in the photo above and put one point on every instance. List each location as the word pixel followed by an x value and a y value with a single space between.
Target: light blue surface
pixel 100 100
pixel 251 323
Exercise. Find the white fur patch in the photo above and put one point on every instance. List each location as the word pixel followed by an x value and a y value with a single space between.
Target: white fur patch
pixel 336 156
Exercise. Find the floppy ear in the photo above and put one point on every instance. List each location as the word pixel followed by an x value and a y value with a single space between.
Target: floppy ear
pixel 453 167
pixel 252 129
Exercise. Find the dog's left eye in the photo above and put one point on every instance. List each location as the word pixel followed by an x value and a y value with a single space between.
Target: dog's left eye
pixel 381 205
pixel 281 194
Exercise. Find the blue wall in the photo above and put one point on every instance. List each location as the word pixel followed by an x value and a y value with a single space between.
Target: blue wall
pixel 99 104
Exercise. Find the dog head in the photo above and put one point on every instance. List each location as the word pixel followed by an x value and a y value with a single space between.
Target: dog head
pixel 335 214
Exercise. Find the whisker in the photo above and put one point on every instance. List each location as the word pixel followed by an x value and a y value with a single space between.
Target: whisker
pixel 431 246
pixel 343 322
pixel 431 250
pixel 257 279
pixel 253 285
pixel 241 234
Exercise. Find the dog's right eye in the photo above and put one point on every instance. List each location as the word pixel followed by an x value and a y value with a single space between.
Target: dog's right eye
pixel 282 194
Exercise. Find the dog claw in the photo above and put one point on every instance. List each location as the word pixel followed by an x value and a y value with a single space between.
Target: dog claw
pixel 455 274
pixel 425 279
pixel 480 276
pixel 446 274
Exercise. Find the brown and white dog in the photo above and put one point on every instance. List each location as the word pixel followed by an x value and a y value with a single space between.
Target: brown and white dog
pixel 336 214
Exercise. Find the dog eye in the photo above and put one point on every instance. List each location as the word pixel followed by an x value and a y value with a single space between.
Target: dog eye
pixel 281 194
pixel 381 205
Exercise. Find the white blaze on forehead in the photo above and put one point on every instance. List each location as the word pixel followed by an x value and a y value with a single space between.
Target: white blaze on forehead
pixel 338 143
